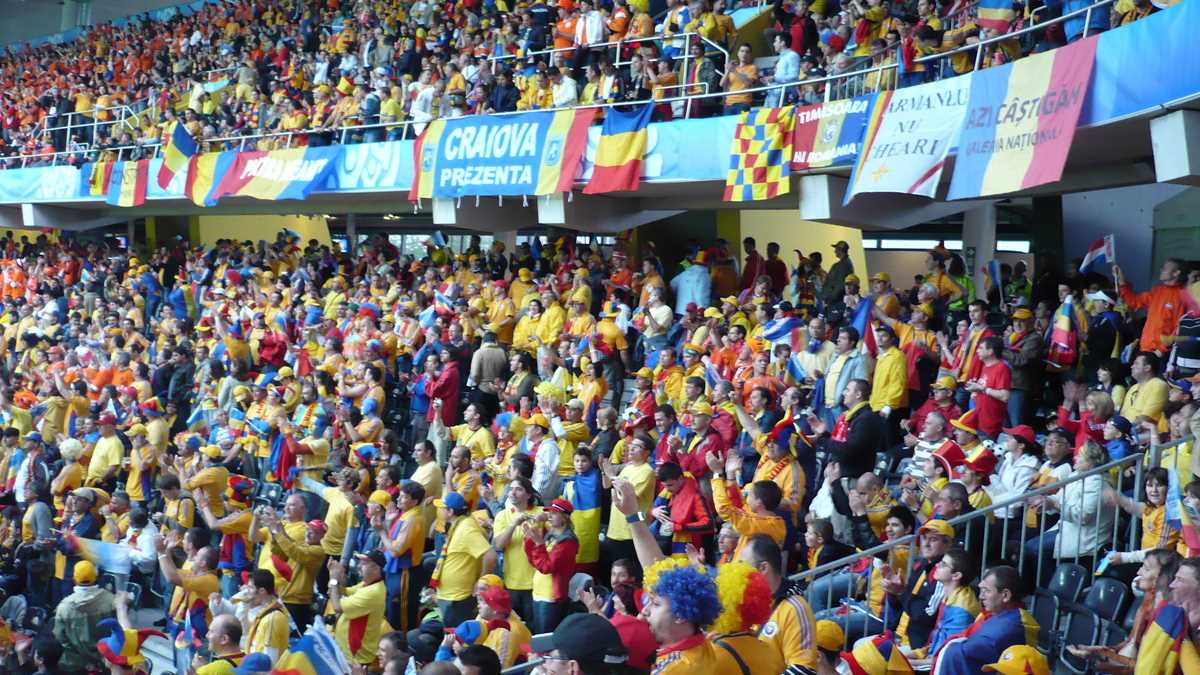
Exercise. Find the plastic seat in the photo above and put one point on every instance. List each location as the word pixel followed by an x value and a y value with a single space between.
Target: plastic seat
pixel 1114 634
pixel 1044 608
pixel 1068 582
pixel 1130 617
pixel 1108 598
pixel 1082 627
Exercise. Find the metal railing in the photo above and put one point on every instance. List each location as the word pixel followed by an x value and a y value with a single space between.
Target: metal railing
pixel 827 88
pixel 1105 540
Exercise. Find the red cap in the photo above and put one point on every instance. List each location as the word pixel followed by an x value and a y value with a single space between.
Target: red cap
pixel 1023 432
pixel 984 464
pixel 638 640
pixel 106 418
pixel 692 308
pixel 561 505
pixel 318 525
pixel 500 283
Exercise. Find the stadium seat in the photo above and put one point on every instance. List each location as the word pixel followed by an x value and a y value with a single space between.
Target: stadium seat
pixel 1067 582
pixel 1114 634
pixel 1044 608
pixel 1108 598
pixel 1082 628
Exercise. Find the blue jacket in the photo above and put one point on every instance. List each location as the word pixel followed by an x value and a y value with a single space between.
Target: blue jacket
pixel 984 646
pixel 1074 27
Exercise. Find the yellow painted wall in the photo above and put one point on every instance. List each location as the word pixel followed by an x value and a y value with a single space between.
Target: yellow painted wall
pixel 31 234
pixel 211 228
pixel 792 233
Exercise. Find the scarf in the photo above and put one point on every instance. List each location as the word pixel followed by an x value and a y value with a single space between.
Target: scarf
pixel 436 580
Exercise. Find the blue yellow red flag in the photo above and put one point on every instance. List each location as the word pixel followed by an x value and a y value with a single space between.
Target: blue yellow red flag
pixel 279 174
pixel 1178 516
pixel 760 159
pixel 996 15
pixel 1165 647
pixel 176 154
pixel 127 186
pixel 618 165
pixel 204 174
pixel 100 177
pixel 315 653
pixel 1020 121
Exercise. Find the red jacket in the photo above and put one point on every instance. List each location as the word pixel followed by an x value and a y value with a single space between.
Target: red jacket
pixel 444 387
pixel 558 562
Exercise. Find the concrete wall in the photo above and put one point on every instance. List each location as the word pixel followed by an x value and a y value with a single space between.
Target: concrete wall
pixel 792 233
pixel 903 265
pixel 36 18
pixel 1128 214
pixel 212 228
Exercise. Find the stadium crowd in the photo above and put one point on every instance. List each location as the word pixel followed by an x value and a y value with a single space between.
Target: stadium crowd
pixel 305 70
pixel 440 458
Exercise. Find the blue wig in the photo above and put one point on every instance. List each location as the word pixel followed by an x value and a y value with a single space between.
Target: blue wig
pixel 691 594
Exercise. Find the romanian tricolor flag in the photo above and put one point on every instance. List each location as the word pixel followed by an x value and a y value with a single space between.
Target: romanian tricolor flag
pixel 1064 338
pixel 107 557
pixel 760 160
pixel 618 166
pixel 997 15
pixel 280 174
pixel 204 174
pixel 127 186
pixel 1178 516
pixel 315 653
pixel 180 149
pixel 100 177
pixel 1020 121
pixel 1166 648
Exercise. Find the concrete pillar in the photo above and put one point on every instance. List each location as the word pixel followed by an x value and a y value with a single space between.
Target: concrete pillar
pixel 509 239
pixel 130 230
pixel 151 234
pixel 1175 138
pixel 979 242
pixel 352 233
pixel 1046 234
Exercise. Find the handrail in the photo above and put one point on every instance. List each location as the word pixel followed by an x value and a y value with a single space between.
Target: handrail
pixel 827 82
pixel 910 539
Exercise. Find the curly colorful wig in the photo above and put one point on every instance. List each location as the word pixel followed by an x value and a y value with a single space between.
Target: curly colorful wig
pixel 650 576
pixel 745 598
pixel 691 594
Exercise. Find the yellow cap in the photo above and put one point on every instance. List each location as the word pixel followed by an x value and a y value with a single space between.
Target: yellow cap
pixel 212 451
pixel 85 573
pixel 241 392
pixel 852 279
pixel 381 498
pixel 881 276
pixel 285 372
pixel 540 420
pixel 830 636
pixel 136 430
pixel 701 408
pixel 1023 314
pixel 712 313
pixel 1018 660
pixel 924 308
pixel 525 274
pixel 938 527
pixel 645 372
pixel 946 382
pixel 731 299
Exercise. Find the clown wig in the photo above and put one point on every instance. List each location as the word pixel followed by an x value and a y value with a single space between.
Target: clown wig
pixel 745 596
pixel 691 594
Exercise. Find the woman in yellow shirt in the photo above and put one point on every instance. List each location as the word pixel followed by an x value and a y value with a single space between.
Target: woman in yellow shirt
pixel 510 538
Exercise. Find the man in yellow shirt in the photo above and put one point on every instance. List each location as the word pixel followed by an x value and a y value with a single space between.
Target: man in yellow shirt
pixel 889 388
pixel 305 558
pixel 212 478
pixel 268 632
pixel 465 556
pixel 106 456
pixel 791 631
pixel 473 435
pixel 618 542
pixel 360 607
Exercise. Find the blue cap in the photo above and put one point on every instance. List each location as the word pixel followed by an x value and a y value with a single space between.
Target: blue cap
pixel 452 501
pixel 1185 385
pixel 33 436
pixel 193 443
pixel 253 664
pixel 1122 425
pixel 470 632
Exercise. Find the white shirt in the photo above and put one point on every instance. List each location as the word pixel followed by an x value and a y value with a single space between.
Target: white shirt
pixel 545 470
pixel 565 92
pixel 590 29
pixel 141 549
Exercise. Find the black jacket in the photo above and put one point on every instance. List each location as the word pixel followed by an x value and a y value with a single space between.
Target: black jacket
pixel 865 437
pixel 915 601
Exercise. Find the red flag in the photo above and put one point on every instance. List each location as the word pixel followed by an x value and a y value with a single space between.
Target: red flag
pixel 304 365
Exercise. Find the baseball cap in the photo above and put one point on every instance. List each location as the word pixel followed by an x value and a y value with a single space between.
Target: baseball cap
pixel 830 636
pixel 946 382
pixel 1019 660
pixel 85 573
pixel 107 419
pixel 852 279
pixel 423 641
pixel 588 638
pixel 638 640
pixel 1122 424
pixel 561 505
pixel 1023 432
pixel 375 556
pixel 701 408
pixel 451 500
pixel 938 526
pixel 840 244
pixel 645 373
pixel 318 525
pixel 1022 314
pixel 881 276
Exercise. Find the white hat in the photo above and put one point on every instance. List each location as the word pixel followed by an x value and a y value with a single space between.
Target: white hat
pixel 1101 295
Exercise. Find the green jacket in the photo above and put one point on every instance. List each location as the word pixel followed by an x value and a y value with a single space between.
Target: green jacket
pixel 75 628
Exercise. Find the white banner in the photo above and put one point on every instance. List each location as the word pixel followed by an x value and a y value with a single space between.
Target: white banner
pixel 909 134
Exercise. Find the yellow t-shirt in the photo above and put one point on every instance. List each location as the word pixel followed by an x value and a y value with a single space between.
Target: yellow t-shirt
pixel 338 519
pixel 468 544
pixel 361 622
pixel 480 442
pixel 269 629
pixel 107 453
pixel 213 481
pixel 295 531
pixel 133 485
pixel 642 479
pixel 518 573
